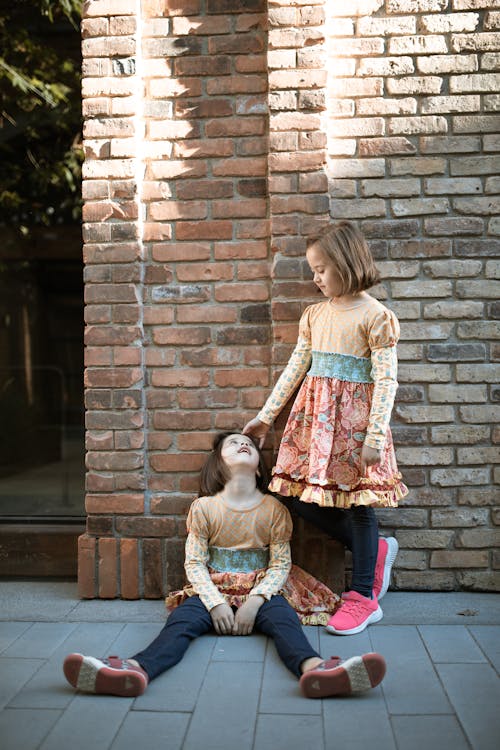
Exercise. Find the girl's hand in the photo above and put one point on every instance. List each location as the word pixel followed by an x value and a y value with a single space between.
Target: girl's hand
pixel 369 457
pixel 245 616
pixel 223 619
pixel 256 429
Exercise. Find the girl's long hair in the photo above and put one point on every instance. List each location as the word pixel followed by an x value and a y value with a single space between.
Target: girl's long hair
pixel 214 475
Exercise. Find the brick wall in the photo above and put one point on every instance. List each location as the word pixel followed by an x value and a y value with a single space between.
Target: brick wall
pixel 216 139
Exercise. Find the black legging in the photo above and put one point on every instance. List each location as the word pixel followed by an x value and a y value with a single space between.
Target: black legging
pixel 275 618
pixel 356 527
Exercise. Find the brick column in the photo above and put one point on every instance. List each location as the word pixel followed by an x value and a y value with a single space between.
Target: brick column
pixel 114 337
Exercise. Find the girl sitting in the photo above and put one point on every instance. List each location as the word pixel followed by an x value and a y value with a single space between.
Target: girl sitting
pixel 240 577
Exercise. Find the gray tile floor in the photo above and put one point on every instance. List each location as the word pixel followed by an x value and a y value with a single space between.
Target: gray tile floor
pixel 441 691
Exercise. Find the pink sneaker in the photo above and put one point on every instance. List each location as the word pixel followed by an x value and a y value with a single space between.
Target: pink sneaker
pixel 354 614
pixel 111 676
pixel 337 677
pixel 387 551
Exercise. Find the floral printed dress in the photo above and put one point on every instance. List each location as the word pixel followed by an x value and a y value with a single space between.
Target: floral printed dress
pixel 233 554
pixel 345 400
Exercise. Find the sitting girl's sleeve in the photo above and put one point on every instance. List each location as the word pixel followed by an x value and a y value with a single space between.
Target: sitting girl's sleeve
pixel 280 558
pixel 383 337
pixel 196 559
pixel 297 366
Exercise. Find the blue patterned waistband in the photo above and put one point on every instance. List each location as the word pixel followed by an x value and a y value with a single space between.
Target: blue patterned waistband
pixel 228 560
pixel 341 366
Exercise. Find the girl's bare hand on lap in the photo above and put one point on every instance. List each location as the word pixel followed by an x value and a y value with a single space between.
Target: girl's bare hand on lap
pixel 245 616
pixel 223 619
pixel 369 457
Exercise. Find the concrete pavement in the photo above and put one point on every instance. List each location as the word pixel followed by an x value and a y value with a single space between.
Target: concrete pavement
pixel 441 691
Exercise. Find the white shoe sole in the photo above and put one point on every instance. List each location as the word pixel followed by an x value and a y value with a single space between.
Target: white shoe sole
pixel 392 551
pixel 374 617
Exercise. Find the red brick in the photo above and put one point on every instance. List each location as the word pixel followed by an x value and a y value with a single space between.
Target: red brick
pixel 242 208
pixel 112 377
pixel 137 526
pixel 240 250
pixel 160 357
pixel 180 378
pixel 129 569
pixel 95 356
pixel 235 126
pixel 86 567
pixel 182 251
pixel 240 292
pixel 205 230
pixel 153 568
pixel 204 272
pixel 201 150
pixel 251 167
pixel 171 504
pixel 242 378
pixel 181 420
pixel 181 336
pixel 107 568
pixel 171 210
pixel 177 462
pixel 207 314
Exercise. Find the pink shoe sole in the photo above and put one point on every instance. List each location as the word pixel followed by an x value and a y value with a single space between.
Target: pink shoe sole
pixel 355 675
pixel 91 675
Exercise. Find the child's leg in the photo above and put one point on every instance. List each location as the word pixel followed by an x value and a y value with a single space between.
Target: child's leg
pixel 277 619
pixel 336 522
pixel 364 548
pixel 188 621
pixel 115 676
pixel 318 678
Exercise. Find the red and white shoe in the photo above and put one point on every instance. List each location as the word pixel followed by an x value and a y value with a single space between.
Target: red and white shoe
pixel 111 676
pixel 387 551
pixel 354 614
pixel 337 677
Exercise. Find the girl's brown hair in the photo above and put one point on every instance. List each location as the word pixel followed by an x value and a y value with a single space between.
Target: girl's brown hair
pixel 214 475
pixel 347 248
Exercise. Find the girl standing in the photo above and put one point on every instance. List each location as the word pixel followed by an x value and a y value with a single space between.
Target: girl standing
pixel 336 453
pixel 240 577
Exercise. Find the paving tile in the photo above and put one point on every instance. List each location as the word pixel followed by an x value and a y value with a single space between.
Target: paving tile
pixel 132 638
pixel 344 727
pixel 14 673
pixel 24 729
pixel 431 732
pixel 229 696
pixel 280 692
pixel 474 691
pixel 40 641
pixel 178 688
pixel 10 632
pixel 410 685
pixel 240 648
pixel 151 731
pixel 450 643
pixel 48 687
pixel 288 733
pixel 89 721
pixel 488 637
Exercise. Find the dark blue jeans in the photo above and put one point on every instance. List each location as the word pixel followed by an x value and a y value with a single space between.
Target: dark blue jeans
pixel 275 618
pixel 356 527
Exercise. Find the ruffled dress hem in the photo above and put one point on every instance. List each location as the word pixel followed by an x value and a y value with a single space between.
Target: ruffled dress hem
pixel 336 497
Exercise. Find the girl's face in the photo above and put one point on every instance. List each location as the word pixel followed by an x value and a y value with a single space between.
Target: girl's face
pixel 325 275
pixel 239 450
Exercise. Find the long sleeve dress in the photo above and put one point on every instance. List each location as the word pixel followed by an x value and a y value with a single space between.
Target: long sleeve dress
pixel 232 554
pixel 348 357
